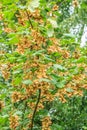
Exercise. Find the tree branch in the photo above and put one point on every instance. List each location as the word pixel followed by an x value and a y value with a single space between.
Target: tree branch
pixel 35 109
pixel 27 15
pixel 29 18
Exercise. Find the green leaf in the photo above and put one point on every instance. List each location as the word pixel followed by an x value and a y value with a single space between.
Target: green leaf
pixel 53 23
pixel 69 90
pixel 60 84
pixel 66 35
pixel 27 82
pixel 33 4
pixel 45 80
pixel 39 52
pixel 50 32
pixel 48 58
pixel 3 119
pixel 17 72
pixel 81 59
pixel 84 128
pixel 12 38
pixel 59 67
pixel 17 81
pixel 42 113
pixel 18 113
pixel 56 127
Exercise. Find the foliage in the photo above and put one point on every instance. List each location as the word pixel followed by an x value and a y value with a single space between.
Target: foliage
pixel 41 64
pixel 71 115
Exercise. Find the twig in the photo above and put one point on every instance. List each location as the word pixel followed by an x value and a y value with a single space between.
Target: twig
pixel 27 15
pixel 29 18
pixel 35 109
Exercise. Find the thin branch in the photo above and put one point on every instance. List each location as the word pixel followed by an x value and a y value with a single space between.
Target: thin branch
pixel 35 109
pixel 29 18
pixel 27 15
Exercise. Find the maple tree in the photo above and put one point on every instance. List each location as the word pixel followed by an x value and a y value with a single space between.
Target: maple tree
pixel 37 66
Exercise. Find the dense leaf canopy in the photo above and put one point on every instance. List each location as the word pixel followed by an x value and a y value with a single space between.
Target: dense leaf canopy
pixel 42 63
